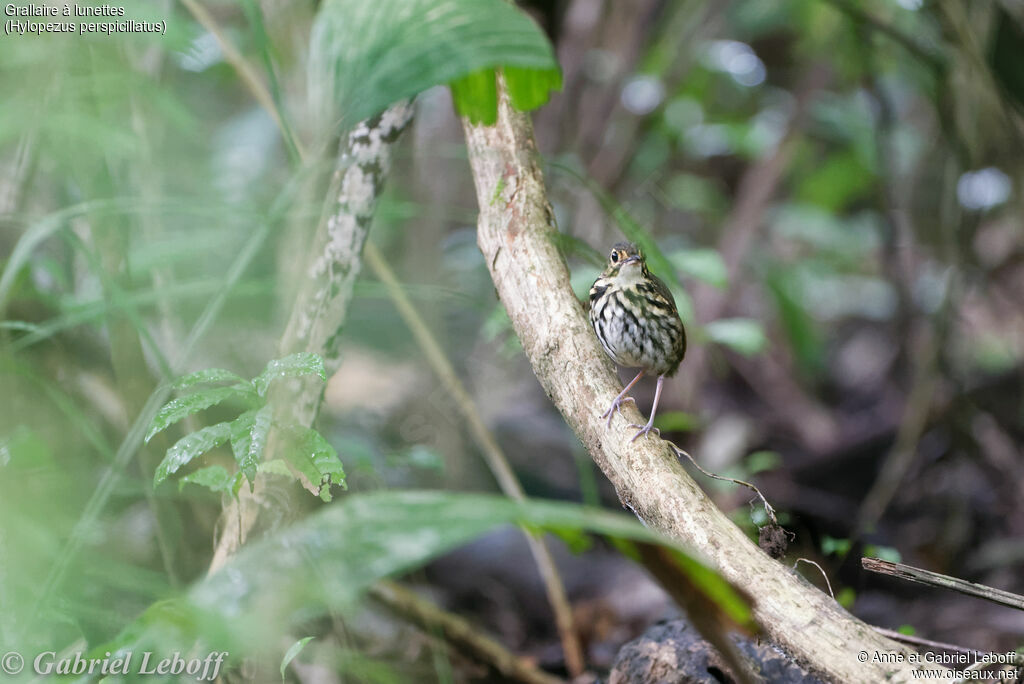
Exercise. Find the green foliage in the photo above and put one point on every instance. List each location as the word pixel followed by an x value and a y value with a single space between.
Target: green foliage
pixel 314 457
pixel 763 461
pixel 215 478
pixel 476 98
pixel 677 421
pixel 175 410
pixel 293 651
pixel 189 447
pixel 703 264
pixel 742 335
pixel 305 448
pixel 886 553
pixel 293 366
pixel 371 54
pixel 327 561
pixel 832 546
pixel 846 597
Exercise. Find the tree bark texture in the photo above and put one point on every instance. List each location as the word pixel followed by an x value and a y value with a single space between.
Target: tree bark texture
pixel 514 230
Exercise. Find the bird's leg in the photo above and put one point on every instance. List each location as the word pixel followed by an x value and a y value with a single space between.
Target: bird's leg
pixel 621 399
pixel 644 429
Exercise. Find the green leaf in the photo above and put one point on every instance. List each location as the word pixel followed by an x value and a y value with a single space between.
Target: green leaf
pixel 761 461
pixel 255 443
pixel 314 457
pixel 328 560
pixel 842 179
pixel 886 553
pixel 190 446
pixel 831 545
pixel 179 408
pixel 208 376
pixel 294 365
pixel 25 449
pixel 476 96
pixel 215 478
pixel 276 467
pixel 364 56
pixel 677 421
pixel 742 335
pixel 293 651
pixel 703 264
pixel 528 89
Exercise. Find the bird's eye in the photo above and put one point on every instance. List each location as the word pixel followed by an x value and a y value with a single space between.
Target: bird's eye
pixel 615 257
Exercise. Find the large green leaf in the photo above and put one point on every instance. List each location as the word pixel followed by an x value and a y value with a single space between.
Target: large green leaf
pixel 366 55
pixel 327 562
pixel 476 96
pixel 190 446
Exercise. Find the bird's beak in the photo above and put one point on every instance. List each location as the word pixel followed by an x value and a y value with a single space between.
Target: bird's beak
pixel 630 260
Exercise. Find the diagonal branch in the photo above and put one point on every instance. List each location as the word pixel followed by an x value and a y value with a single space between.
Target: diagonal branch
pixel 515 227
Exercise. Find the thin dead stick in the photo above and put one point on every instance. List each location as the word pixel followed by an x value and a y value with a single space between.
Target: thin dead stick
pixel 769 511
pixel 909 572
pixel 918 641
pixel 820 569
pixel 459 634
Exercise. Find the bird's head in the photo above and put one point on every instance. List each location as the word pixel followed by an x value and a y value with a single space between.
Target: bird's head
pixel 625 258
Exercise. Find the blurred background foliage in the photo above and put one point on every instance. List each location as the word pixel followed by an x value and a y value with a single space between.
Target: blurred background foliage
pixel 832 189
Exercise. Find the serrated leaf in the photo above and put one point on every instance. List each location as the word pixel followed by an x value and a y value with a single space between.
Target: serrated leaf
pixel 314 457
pixel 742 335
pixel 703 264
pixel 208 376
pixel 529 89
pixel 179 408
pixel 249 439
pixel 215 478
pixel 292 366
pixel 476 96
pixel 369 55
pixel 294 650
pixel 190 446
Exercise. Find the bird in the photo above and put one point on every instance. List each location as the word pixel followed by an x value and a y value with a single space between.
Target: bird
pixel 638 324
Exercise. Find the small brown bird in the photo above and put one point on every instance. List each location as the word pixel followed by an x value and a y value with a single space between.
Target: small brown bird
pixel 635 317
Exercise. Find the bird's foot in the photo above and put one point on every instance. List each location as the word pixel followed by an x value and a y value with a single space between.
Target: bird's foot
pixel 616 407
pixel 645 429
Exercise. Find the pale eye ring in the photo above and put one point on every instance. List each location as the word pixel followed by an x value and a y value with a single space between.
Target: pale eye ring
pixel 615 256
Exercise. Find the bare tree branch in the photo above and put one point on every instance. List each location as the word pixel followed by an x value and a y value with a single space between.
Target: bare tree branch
pixel 514 233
